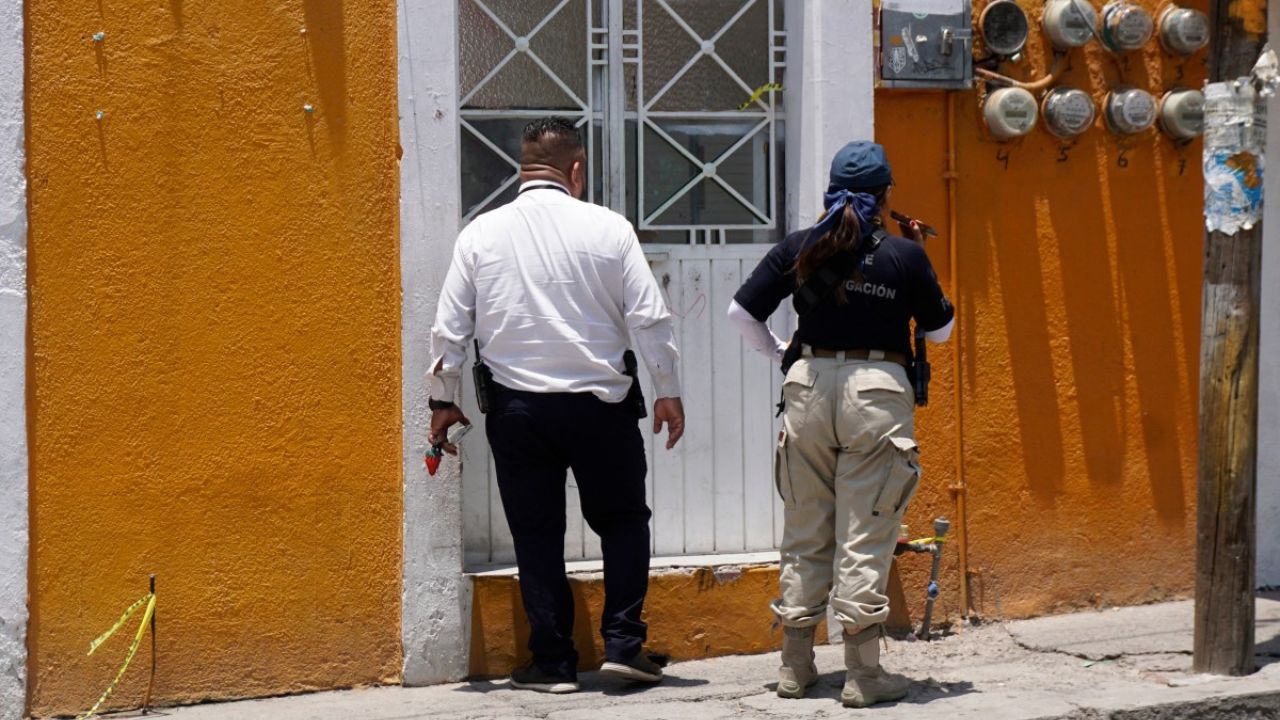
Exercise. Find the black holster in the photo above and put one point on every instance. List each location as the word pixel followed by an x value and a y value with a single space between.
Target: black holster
pixel 792 353
pixel 919 371
pixel 635 397
pixel 486 388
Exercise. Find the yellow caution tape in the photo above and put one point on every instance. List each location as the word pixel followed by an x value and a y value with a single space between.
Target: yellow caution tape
pixel 119 623
pixel 759 93
pixel 929 541
pixel 150 600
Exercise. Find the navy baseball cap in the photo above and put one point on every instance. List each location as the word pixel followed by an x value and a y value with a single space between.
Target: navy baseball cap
pixel 860 165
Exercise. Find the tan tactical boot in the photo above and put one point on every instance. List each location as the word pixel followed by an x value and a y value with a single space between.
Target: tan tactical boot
pixel 798 671
pixel 866 683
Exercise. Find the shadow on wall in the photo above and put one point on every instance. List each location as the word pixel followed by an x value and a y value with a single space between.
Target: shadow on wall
pixel 1151 304
pixel 328 66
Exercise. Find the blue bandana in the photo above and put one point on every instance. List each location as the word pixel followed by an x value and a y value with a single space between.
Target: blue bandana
pixel 865 206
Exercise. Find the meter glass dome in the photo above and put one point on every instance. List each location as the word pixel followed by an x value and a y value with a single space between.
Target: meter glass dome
pixel 1130 110
pixel 1068 112
pixel 1183 30
pixel 1125 26
pixel 1004 27
pixel 1010 112
pixel 1069 23
pixel 1182 114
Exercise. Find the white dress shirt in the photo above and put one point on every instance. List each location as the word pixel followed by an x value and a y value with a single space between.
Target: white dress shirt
pixel 550 286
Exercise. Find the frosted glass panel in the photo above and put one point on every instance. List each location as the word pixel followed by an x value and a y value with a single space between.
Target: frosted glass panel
pixel 691 76
pixel 528 78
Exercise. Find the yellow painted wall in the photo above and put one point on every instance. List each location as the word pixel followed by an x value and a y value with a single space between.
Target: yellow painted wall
pixel 1079 295
pixel 215 344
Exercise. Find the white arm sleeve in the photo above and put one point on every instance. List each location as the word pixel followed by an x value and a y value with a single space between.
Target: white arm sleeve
pixel 757 334
pixel 942 334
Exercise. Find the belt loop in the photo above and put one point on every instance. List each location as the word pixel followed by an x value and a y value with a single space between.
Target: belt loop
pixel 806 350
pixel 840 356
pixel 875 355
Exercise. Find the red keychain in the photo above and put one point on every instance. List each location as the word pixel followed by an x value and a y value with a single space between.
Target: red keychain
pixel 436 453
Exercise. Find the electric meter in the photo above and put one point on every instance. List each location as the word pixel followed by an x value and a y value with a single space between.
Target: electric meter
pixel 1069 23
pixel 1130 110
pixel 1010 112
pixel 1004 27
pixel 1182 114
pixel 1125 26
pixel 1068 111
pixel 1183 30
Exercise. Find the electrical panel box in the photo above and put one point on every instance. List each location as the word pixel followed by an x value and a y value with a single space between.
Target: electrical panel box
pixel 926 44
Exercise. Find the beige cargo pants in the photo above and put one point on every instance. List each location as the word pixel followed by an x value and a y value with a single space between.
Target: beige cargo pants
pixel 846 467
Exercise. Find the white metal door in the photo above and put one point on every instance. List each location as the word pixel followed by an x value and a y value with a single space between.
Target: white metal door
pixel 682 104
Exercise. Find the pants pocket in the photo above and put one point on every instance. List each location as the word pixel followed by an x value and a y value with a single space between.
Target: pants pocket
pixel 782 472
pixel 902 479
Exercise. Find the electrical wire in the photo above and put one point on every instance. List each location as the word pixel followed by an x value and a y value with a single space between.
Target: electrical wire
pixel 1034 85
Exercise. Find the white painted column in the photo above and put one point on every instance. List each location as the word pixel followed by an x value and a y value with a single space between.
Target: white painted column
pixel 14 542
pixel 436 619
pixel 830 94
pixel 1269 361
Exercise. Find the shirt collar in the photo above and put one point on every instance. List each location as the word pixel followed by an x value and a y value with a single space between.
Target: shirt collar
pixel 543 185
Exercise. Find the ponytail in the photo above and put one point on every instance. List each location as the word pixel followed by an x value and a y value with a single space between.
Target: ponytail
pixel 845 237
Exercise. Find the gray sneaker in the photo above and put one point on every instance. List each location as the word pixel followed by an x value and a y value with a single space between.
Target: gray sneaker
pixel 639 668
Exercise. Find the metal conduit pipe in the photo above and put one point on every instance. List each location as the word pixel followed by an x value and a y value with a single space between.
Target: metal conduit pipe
pixel 959 489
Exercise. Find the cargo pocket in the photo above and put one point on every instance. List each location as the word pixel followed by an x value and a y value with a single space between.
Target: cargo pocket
pixel 802 373
pixel 902 479
pixel 782 472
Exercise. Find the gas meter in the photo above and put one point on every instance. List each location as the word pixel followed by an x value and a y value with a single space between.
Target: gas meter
pixel 1010 112
pixel 1069 23
pixel 1004 27
pixel 1182 114
pixel 1125 26
pixel 1183 30
pixel 1068 112
pixel 1129 110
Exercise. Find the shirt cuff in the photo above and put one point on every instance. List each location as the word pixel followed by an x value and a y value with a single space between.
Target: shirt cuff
pixel 667 386
pixel 444 387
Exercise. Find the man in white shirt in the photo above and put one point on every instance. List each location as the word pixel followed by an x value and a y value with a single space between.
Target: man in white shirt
pixel 549 286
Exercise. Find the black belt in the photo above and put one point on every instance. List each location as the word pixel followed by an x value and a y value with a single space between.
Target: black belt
pixel 860 354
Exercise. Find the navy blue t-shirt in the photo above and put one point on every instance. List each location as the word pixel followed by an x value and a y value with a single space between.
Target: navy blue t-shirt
pixel 898 284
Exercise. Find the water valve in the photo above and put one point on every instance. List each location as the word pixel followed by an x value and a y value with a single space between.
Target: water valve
pixel 1182 114
pixel 1069 23
pixel 1010 112
pixel 1183 30
pixel 1068 112
pixel 1129 110
pixel 1125 26
pixel 1004 27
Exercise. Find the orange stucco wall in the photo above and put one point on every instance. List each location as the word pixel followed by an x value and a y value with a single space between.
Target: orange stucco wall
pixel 1079 293
pixel 215 345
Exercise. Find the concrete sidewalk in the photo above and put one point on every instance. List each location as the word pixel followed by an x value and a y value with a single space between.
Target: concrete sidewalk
pixel 1129 663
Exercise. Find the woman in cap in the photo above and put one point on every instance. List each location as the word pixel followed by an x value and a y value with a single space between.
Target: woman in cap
pixel 846 463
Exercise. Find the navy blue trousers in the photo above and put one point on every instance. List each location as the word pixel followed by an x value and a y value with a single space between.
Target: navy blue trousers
pixel 536 438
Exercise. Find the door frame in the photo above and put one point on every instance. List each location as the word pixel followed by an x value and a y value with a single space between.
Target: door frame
pixel 829 74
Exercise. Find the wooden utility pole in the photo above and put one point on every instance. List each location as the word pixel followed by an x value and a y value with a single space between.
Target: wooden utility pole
pixel 1225 538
